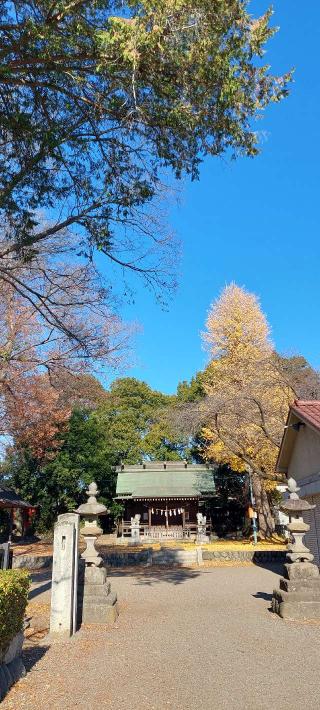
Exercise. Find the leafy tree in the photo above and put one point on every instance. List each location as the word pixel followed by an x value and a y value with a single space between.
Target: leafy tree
pixel 227 509
pixel 136 417
pixel 127 425
pixel 98 97
pixel 299 375
pixel 191 391
pixel 57 483
pixel 99 101
pixel 37 352
pixel 248 391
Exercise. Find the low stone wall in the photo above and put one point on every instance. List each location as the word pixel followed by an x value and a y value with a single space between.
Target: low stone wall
pixel 257 556
pixel 165 556
pixel 170 557
pixel 127 559
pixel 31 561
pixel 11 665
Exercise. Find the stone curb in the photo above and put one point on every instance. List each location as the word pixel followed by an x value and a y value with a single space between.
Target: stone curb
pixel 147 558
pixel 257 556
pixel 31 561
pixel 13 669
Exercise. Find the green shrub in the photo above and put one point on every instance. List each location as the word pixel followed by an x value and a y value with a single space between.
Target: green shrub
pixel 14 588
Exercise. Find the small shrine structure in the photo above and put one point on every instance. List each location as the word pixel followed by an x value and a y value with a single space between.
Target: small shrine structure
pixel 164 499
pixel 20 512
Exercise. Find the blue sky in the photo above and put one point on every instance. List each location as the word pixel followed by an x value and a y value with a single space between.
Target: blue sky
pixel 254 222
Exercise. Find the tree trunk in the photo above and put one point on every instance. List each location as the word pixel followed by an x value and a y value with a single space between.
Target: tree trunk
pixel 265 518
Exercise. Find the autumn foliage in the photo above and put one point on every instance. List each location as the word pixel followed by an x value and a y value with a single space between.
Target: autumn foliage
pixel 56 325
pixel 247 396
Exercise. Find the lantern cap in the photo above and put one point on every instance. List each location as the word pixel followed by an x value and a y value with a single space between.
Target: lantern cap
pixel 92 507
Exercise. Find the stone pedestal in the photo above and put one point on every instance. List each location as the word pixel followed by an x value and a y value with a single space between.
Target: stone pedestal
pixel 202 536
pixel 96 603
pixel 135 528
pixel 298 597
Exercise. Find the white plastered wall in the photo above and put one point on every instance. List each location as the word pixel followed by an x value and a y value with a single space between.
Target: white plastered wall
pixel 305 459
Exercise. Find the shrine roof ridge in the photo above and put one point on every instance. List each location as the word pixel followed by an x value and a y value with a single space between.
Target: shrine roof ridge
pixel 165 465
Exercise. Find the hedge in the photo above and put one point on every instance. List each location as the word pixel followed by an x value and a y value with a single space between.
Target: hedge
pixel 14 588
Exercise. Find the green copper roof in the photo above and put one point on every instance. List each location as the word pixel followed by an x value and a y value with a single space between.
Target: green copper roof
pixel 171 480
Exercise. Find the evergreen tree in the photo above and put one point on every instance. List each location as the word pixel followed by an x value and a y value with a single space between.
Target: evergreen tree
pixel 129 425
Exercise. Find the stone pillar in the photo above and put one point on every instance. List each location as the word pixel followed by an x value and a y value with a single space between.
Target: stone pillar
pixel 135 528
pixel 97 604
pixel 202 529
pixel 299 595
pixel 63 615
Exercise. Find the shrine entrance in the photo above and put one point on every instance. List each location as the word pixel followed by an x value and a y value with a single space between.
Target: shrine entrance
pixel 167 516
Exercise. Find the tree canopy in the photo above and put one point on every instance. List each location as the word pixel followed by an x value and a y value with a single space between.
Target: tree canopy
pixel 126 423
pixel 98 98
pixel 100 102
pixel 248 388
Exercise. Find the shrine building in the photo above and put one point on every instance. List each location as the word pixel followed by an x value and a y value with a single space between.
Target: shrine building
pixel 166 495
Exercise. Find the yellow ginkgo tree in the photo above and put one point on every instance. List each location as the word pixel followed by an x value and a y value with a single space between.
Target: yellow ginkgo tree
pixel 248 393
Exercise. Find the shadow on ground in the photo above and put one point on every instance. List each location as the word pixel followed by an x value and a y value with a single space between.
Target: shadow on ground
pixel 32 655
pixel 39 590
pixel 276 567
pixel 42 580
pixel 148 576
pixel 263 595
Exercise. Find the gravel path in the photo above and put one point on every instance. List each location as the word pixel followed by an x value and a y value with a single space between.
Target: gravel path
pixel 185 639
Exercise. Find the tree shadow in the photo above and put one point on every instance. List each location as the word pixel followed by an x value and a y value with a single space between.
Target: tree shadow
pixel 155 575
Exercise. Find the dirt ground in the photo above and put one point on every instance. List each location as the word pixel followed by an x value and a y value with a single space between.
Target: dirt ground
pixel 185 638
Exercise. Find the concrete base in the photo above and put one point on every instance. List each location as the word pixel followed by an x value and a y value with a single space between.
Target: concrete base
pixel 99 614
pixel 298 598
pixel 295 608
pixel 97 604
pixel 11 664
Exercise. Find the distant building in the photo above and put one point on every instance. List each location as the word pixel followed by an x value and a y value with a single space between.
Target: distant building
pixel 299 458
pixel 20 512
pixel 167 496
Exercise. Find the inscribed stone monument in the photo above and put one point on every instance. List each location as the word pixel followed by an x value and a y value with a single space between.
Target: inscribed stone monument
pixel 63 616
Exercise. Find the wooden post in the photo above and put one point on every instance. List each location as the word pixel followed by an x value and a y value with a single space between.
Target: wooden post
pixel 183 519
pixel 6 555
pixel 149 518
pixel 10 525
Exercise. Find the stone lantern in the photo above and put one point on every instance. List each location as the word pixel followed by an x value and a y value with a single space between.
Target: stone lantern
pixel 89 512
pixel 96 603
pixel 299 593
